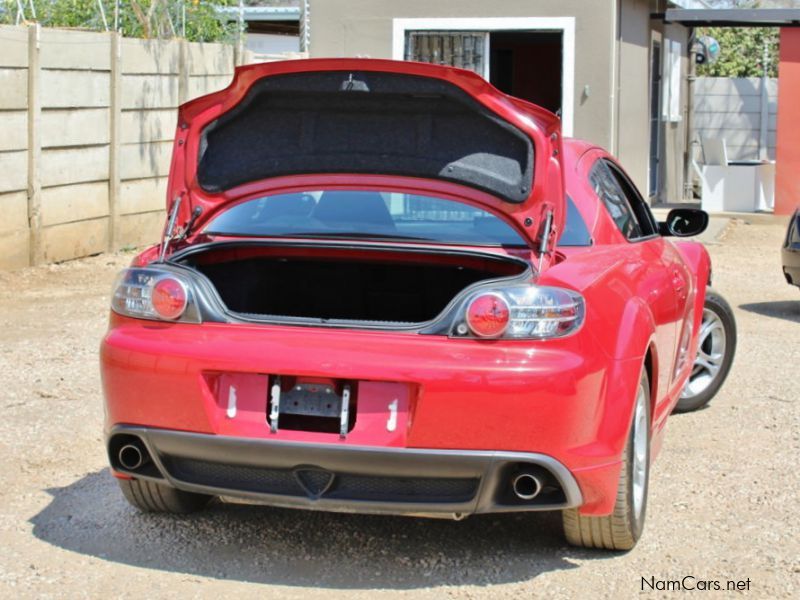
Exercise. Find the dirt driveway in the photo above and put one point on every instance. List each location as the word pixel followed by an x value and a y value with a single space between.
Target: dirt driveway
pixel 723 503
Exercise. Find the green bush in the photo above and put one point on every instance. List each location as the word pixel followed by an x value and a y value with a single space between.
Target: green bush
pixel 742 51
pixel 137 18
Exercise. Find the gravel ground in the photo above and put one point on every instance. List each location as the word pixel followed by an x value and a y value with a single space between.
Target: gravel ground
pixel 723 499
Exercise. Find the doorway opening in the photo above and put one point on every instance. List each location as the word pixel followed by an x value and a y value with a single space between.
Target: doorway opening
pixel 529 57
pixel 528 65
pixel 655 120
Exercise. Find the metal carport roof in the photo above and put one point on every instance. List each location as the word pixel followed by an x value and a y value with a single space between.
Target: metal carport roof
pixel 734 17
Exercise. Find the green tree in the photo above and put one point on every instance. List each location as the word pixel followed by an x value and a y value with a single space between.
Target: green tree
pixel 742 51
pixel 137 18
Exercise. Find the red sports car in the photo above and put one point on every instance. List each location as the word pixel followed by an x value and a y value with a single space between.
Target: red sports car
pixel 387 287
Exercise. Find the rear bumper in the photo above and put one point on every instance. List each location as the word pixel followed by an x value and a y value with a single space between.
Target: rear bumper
pixel 347 478
pixel 562 399
pixel 791 270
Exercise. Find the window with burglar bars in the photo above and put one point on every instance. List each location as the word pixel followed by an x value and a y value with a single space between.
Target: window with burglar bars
pixel 463 49
pixel 417 208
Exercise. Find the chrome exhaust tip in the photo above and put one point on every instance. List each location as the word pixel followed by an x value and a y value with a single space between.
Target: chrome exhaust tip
pixel 132 456
pixel 526 486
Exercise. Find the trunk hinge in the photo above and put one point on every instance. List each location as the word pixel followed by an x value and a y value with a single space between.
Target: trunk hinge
pixel 173 234
pixel 187 229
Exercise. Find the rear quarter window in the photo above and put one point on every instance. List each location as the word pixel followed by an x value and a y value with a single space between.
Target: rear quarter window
pixel 576 233
pixel 613 197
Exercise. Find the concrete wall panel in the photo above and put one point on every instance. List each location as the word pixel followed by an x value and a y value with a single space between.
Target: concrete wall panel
pixel 13 88
pixel 150 57
pixel 64 166
pixel 82 50
pixel 145 160
pixel 70 240
pixel 156 125
pixel 142 229
pixel 142 195
pixel 75 127
pixel 14 128
pixel 74 89
pixel 14 208
pixel 149 91
pixel 13 171
pixel 68 203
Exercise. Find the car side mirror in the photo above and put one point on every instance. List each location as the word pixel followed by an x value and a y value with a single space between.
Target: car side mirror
pixel 684 222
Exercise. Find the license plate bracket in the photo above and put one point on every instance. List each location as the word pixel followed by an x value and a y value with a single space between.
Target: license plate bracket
pixel 326 406
pixel 311 399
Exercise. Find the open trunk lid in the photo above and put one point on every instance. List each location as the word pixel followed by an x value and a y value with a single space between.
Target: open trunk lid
pixel 288 120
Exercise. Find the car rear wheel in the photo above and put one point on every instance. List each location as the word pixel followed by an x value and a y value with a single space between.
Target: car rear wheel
pixel 716 346
pixel 149 496
pixel 622 528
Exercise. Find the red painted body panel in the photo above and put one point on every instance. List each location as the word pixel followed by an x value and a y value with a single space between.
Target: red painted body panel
pixel 548 397
pixel 662 284
pixel 571 398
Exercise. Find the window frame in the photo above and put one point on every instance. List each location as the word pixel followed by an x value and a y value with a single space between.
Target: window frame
pixel 632 197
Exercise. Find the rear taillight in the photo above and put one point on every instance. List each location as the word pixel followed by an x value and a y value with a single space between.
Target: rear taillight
pixel 520 312
pixel 488 315
pixel 154 294
pixel 169 298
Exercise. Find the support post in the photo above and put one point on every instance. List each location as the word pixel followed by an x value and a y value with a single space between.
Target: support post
pixel 115 122
pixel 787 183
pixel 239 55
pixel 763 140
pixel 691 137
pixel 305 26
pixel 184 72
pixel 36 247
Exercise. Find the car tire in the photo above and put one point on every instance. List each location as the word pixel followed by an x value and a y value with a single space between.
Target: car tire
pixel 702 387
pixel 149 496
pixel 623 527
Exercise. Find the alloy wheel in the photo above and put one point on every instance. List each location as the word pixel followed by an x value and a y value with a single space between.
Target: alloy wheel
pixel 640 437
pixel 710 355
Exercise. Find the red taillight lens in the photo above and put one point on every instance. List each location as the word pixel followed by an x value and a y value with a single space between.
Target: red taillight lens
pixel 169 298
pixel 156 294
pixel 488 315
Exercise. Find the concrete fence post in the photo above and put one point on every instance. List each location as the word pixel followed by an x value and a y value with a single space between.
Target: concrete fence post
pixel 184 72
pixel 34 146
pixel 114 142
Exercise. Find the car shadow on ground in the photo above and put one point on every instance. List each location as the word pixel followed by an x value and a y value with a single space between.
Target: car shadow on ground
pixel 787 309
pixel 304 548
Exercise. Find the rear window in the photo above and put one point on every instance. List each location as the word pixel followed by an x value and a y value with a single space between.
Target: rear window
pixel 365 214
